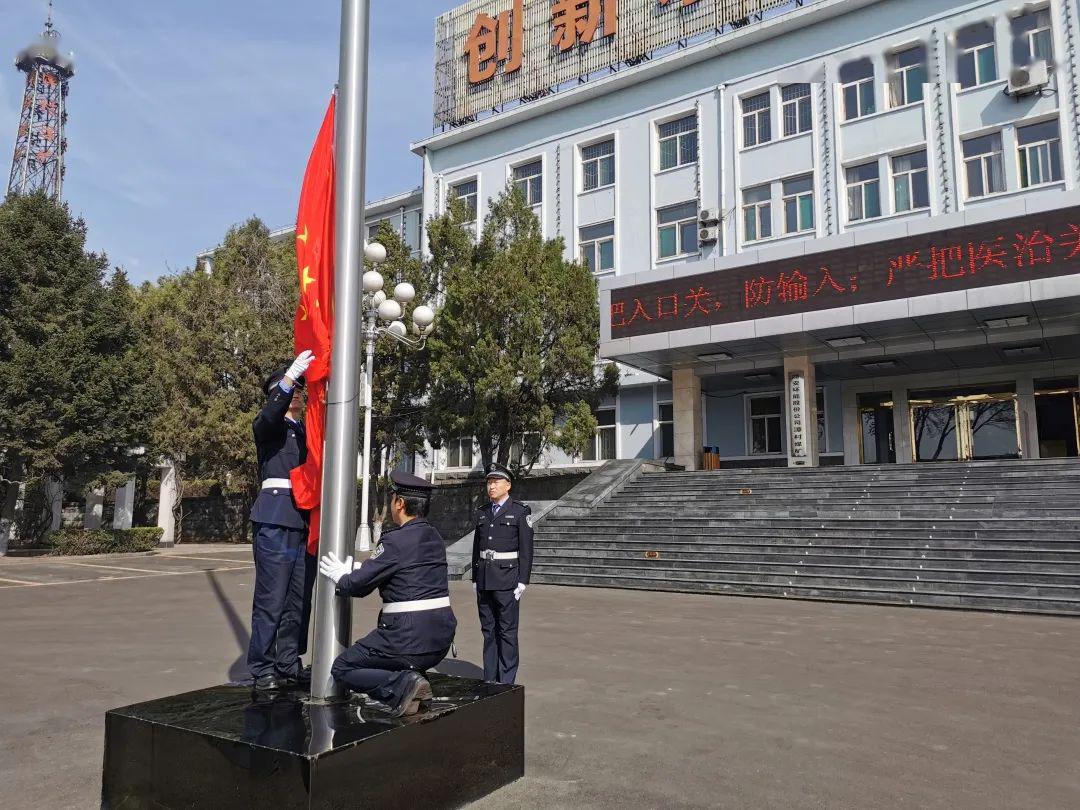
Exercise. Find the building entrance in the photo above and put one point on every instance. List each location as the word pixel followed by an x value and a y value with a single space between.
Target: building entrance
pixel 877 430
pixel 1057 408
pixel 964 425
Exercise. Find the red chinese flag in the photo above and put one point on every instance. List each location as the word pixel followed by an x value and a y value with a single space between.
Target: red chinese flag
pixel 313 327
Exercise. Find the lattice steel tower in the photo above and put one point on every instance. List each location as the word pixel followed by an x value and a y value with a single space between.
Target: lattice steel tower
pixel 40 145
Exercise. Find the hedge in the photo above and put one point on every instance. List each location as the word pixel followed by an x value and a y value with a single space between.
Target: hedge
pixel 73 541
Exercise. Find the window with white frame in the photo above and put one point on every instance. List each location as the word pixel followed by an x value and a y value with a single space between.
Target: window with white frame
pixel 466 191
pixel 373 228
pixel 529 180
pixel 757 119
pixel 1033 37
pixel 596 247
pixel 908 76
pixel 911 187
pixel 766 424
pixel 799 204
pixel 598 165
pixel 677 230
pixel 665 423
pixel 757 213
pixel 459 452
pixel 864 192
pixel 984 165
pixel 603 448
pixel 857 89
pixel 798 114
pixel 976 55
pixel 678 142
pixel 1039 146
pixel 525 450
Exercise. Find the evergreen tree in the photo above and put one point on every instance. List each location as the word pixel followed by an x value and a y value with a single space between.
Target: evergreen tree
pixel 514 354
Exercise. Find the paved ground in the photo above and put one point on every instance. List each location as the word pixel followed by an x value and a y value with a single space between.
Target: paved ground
pixel 634 700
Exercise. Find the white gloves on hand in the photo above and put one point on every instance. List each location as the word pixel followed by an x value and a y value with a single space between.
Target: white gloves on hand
pixel 300 365
pixel 519 590
pixel 333 568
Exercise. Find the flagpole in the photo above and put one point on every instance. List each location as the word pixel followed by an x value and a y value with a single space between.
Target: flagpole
pixel 333 616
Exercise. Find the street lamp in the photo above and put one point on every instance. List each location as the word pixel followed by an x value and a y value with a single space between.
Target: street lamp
pixel 383 315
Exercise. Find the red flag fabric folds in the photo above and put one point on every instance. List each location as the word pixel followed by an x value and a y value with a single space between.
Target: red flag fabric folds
pixel 313 326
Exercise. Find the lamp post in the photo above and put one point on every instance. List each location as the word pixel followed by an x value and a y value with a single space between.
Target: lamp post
pixel 383 316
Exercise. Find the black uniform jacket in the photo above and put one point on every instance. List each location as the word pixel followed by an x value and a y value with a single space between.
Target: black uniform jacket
pixel 281 445
pixel 510 531
pixel 408 564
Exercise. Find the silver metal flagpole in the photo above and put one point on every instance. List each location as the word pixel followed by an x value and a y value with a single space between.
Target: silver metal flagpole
pixel 333 614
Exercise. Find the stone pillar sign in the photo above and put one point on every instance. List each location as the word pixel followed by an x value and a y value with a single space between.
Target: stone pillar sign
pixel 686 390
pixel 800 396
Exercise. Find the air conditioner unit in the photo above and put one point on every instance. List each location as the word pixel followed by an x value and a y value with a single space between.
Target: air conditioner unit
pixel 1026 81
pixel 709 235
pixel 709 216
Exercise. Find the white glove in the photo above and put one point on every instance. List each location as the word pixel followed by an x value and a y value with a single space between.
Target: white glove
pixel 519 590
pixel 300 365
pixel 333 568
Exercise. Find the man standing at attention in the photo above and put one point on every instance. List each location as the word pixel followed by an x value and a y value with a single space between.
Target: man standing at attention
pixel 501 563
pixel 284 572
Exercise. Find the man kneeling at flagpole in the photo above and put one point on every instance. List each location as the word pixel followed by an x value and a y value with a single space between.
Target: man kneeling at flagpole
pixel 416 625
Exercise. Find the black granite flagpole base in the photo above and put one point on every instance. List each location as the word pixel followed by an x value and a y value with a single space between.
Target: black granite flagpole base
pixel 226 747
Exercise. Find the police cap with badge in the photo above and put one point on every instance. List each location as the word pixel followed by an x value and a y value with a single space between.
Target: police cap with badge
pixel 408 485
pixel 496 470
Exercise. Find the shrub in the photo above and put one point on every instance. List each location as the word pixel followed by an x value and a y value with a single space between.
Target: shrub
pixel 74 541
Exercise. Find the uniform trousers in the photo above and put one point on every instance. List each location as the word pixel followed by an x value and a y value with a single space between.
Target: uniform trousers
pixel 281 607
pixel 379 674
pixel 499 623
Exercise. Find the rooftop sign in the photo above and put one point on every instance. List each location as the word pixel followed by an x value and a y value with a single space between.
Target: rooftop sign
pixel 490 52
pixel 1036 246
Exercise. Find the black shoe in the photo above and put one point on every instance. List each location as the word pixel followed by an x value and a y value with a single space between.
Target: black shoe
pixel 413 685
pixel 267 683
pixel 301 678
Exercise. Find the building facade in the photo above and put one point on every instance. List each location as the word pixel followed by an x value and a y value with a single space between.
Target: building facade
pixel 831 232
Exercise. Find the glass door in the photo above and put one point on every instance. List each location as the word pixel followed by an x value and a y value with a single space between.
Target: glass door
pixel 877 434
pixel 934 431
pixel 992 428
pixel 1057 410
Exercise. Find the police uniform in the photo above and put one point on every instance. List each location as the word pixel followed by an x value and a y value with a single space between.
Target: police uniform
pixel 416 625
pixel 501 559
pixel 284 572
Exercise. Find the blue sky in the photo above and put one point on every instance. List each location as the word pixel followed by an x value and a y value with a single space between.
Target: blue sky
pixel 188 117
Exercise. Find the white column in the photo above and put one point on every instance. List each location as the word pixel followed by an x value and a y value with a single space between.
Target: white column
pixel 54 495
pixel 95 506
pixel 800 415
pixel 852 426
pixel 124 511
pixel 905 453
pixel 686 401
pixel 166 520
pixel 1029 420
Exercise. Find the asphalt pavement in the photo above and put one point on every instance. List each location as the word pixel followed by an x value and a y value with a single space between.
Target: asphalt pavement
pixel 633 699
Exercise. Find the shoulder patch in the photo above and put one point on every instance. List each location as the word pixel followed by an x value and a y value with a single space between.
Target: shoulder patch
pixel 379 549
pixel 529 518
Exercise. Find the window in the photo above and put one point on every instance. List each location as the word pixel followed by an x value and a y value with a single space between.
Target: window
pixel 524 454
pixel 857 87
pixel 1033 37
pixel 596 246
pixel 466 191
pixel 757 119
pixel 766 424
pixel 799 204
pixel 678 142
pixel 373 228
pixel 459 452
pixel 911 188
pixel 598 165
pixel 798 116
pixel 977 62
pixel 666 420
pixel 908 76
pixel 864 192
pixel 677 230
pixel 1040 153
pixel 603 448
pixel 984 165
pixel 757 213
pixel 529 179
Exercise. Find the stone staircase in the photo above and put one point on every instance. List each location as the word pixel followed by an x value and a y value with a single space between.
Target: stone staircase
pixel 981 535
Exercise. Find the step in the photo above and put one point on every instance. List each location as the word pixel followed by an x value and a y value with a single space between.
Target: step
pixel 862 595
